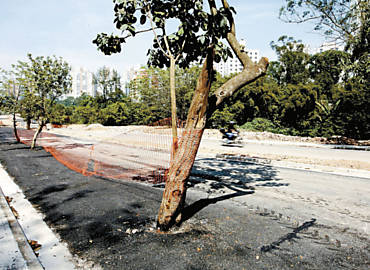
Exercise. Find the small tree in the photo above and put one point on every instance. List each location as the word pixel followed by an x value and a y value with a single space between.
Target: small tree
pixel 108 82
pixel 13 84
pixel 198 36
pixel 48 79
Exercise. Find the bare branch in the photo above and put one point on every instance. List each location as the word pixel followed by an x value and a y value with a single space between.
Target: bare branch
pixel 141 31
pixel 247 76
pixel 166 43
pixel 233 42
pixel 250 73
pixel 182 48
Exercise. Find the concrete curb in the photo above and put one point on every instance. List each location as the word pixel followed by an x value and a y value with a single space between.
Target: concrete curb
pixel 27 257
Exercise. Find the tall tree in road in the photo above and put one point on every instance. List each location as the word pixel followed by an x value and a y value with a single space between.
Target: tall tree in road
pixel 200 35
pixel 168 49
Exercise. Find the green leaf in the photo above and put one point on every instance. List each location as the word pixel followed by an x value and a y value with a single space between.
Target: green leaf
pixel 223 22
pixel 202 40
pixel 232 9
pixel 124 27
pixel 142 19
pixel 181 31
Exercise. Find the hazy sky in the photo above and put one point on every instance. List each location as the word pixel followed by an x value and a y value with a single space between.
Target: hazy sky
pixel 66 28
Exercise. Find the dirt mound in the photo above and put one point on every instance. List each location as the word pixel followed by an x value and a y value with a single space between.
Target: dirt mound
pixel 346 141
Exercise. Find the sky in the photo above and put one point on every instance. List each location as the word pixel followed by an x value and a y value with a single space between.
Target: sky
pixel 66 28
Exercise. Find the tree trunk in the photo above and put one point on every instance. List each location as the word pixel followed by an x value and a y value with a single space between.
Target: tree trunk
pixel 173 106
pixel 28 123
pixel 201 108
pixel 15 128
pixel 175 191
pixel 38 131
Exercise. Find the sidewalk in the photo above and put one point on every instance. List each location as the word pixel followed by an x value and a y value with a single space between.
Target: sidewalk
pixel 15 251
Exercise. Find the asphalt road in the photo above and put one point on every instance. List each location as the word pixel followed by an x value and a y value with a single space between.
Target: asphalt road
pixel 335 200
pixel 302 152
pixel 96 218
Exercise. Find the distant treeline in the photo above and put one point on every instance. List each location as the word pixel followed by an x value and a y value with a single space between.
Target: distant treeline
pixel 324 94
pixel 310 95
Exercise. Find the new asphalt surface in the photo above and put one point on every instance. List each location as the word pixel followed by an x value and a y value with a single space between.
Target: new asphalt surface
pixel 111 224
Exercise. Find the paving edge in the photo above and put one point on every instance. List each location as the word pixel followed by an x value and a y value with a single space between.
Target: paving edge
pixel 29 256
pixel 296 165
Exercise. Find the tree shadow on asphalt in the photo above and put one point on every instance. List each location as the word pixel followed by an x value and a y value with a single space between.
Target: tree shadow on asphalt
pixel 288 237
pixel 190 210
pixel 216 174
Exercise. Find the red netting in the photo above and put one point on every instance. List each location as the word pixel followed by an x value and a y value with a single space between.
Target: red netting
pixel 142 153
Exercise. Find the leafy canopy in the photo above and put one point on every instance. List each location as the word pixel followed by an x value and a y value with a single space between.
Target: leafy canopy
pixel 292 66
pixel 47 79
pixel 195 31
pixel 334 18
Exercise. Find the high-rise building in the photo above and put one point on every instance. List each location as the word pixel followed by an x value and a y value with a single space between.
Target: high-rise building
pixel 132 74
pixel 233 65
pixel 82 82
pixel 326 46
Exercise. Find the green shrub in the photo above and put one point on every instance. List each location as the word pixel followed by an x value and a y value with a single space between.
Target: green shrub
pixel 259 124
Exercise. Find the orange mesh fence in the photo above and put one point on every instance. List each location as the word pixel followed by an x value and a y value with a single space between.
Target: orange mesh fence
pixel 142 154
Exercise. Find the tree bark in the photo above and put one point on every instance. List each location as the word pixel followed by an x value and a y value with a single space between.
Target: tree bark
pixel 200 110
pixel 28 123
pixel 175 191
pixel 15 127
pixel 38 131
pixel 173 106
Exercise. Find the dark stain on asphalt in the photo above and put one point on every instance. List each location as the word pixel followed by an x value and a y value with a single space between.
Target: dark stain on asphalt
pixel 51 189
pixel 56 218
pixel 78 195
pixel 136 205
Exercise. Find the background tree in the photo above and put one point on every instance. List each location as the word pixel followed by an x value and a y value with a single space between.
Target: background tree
pixel 200 34
pixel 60 114
pixel 327 69
pixel 86 110
pixel 14 84
pixel 108 83
pixel 345 21
pixel 10 98
pixel 339 20
pixel 151 89
pixel 292 67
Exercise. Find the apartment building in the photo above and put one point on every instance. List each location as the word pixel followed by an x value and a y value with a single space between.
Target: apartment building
pixel 82 82
pixel 233 65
